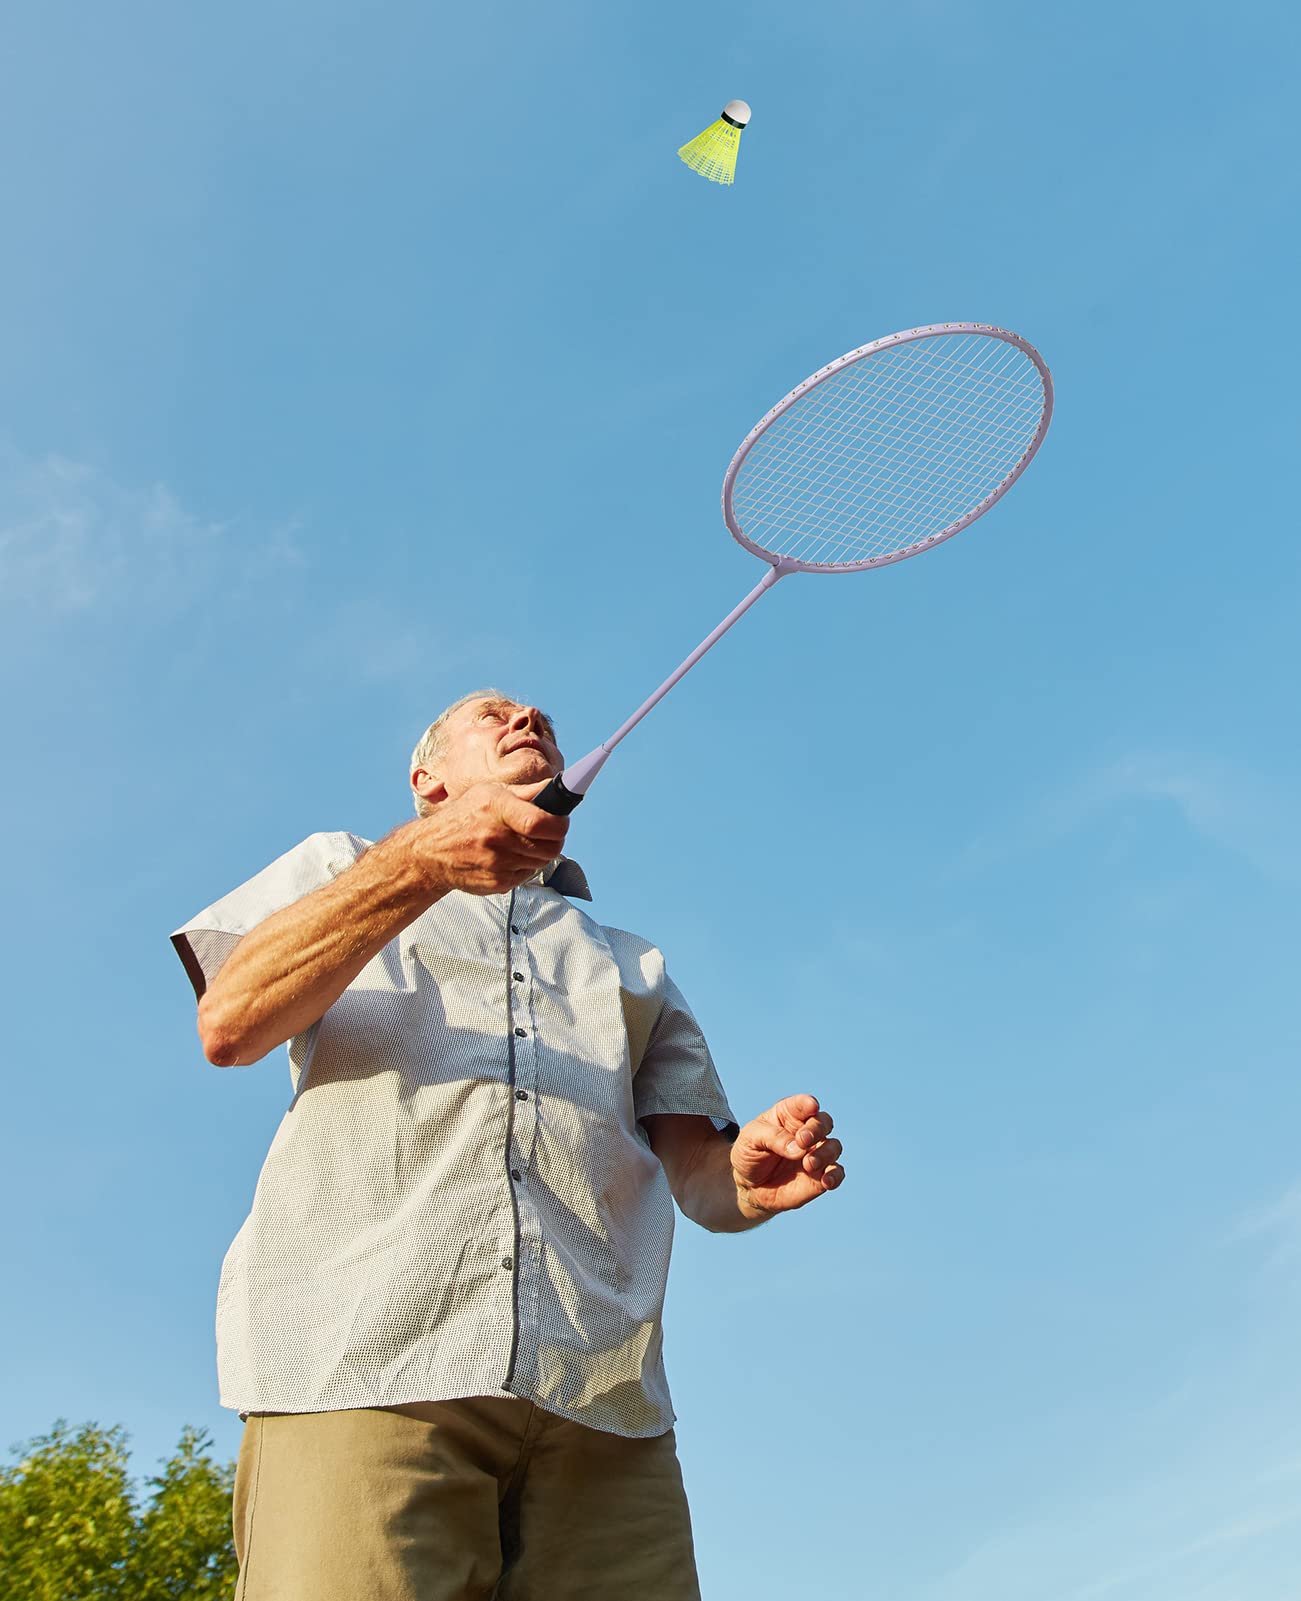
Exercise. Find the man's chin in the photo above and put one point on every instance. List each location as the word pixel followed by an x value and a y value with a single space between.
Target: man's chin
pixel 530 767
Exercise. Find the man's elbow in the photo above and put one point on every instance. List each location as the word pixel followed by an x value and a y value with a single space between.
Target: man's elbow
pixel 697 1209
pixel 224 1044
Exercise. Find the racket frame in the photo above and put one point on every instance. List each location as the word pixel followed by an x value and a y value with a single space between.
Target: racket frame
pixel 567 789
pixel 909 336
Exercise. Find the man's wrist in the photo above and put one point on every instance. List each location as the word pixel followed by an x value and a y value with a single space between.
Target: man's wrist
pixel 748 1207
pixel 421 862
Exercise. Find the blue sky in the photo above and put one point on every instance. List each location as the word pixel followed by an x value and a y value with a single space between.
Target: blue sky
pixel 357 356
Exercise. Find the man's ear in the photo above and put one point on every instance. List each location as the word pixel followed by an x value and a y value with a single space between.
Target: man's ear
pixel 428 786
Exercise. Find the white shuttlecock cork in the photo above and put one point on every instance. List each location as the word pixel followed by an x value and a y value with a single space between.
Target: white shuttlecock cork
pixel 713 153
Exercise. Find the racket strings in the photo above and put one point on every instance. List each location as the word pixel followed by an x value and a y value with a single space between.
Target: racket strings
pixel 931 487
pixel 902 477
pixel 890 451
pixel 913 422
pixel 812 481
pixel 833 421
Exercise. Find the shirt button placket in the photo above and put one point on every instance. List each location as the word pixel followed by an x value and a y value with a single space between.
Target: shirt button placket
pixel 523 1046
pixel 520 1023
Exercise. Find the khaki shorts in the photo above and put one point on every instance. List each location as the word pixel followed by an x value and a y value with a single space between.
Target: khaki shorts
pixel 457 1501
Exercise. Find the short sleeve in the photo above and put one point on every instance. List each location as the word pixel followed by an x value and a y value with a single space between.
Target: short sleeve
pixel 677 1073
pixel 206 941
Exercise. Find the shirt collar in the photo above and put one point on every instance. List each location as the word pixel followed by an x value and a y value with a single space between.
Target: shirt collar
pixel 564 874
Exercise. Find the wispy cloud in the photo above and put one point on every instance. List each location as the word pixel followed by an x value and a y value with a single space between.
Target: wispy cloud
pixel 371 641
pixel 1201 1499
pixel 76 544
pixel 1181 1565
pixel 1202 1513
pixel 1276 1226
pixel 75 540
pixel 1138 1545
pixel 1220 802
pixel 1239 810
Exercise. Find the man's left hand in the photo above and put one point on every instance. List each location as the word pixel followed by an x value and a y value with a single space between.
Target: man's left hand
pixel 783 1159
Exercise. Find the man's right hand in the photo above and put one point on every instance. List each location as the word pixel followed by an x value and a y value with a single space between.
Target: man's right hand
pixel 285 973
pixel 488 840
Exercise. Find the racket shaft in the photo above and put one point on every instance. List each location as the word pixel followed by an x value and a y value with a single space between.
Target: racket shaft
pixel 765 583
pixel 562 794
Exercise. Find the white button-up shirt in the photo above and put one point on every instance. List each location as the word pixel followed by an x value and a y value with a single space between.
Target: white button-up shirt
pixel 461 1199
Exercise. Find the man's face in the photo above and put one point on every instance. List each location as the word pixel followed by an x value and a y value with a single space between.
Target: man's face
pixel 491 739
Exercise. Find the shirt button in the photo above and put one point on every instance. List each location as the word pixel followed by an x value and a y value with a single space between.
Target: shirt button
pixel 508 1261
pixel 521 1095
pixel 514 928
pixel 515 1174
pixel 521 1033
pixel 518 977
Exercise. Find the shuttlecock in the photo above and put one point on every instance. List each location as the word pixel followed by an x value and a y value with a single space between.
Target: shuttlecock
pixel 713 153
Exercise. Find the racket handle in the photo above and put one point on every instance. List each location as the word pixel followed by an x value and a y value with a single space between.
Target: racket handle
pixel 559 798
pixel 556 799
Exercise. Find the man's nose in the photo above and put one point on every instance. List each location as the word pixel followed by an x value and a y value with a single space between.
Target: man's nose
pixel 525 718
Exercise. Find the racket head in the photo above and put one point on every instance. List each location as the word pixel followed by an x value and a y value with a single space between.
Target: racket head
pixel 890 449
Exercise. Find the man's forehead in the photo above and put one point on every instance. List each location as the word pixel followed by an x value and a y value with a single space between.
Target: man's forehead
pixel 494 703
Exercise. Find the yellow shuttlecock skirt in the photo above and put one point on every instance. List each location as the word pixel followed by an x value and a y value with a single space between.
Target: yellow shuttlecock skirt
pixel 713 153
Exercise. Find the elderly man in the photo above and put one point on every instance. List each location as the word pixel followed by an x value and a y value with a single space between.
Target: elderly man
pixel 441 1318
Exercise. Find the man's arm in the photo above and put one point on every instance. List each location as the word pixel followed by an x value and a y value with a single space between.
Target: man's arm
pixel 780 1161
pixel 286 973
pixel 696 1159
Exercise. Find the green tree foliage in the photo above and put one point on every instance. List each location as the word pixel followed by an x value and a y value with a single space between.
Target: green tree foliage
pixel 71 1528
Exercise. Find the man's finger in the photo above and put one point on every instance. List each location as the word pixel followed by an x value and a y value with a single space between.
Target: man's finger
pixel 514 871
pixel 537 851
pixel 525 853
pixel 817 1128
pixel 527 792
pixel 531 822
pixel 807 1135
pixel 793 1112
pixel 823 1156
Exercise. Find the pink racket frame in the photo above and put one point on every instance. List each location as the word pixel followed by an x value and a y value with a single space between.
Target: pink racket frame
pixel 910 336
pixel 565 792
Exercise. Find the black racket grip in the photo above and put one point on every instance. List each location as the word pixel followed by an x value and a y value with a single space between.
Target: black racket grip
pixel 556 799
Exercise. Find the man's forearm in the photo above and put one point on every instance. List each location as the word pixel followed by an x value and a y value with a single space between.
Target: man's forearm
pixel 286 973
pixel 716 1202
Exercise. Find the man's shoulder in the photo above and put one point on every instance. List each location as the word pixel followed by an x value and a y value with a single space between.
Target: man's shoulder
pixel 327 851
pixel 625 941
pixel 332 844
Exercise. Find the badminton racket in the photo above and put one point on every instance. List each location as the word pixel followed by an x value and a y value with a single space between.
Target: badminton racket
pixel 882 454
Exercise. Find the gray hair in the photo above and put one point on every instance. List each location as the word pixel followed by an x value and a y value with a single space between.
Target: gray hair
pixel 430 745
